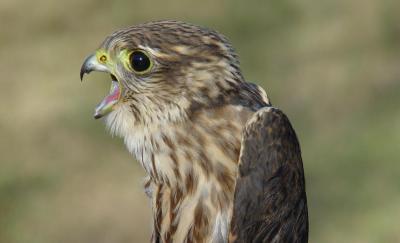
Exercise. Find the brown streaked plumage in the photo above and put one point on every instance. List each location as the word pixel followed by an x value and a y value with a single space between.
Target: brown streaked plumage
pixel 223 165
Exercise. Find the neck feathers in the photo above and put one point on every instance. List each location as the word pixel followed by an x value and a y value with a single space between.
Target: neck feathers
pixel 192 167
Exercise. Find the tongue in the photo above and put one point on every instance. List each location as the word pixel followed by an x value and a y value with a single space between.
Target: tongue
pixel 109 101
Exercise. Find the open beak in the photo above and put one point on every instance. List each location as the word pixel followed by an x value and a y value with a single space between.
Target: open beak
pixel 91 64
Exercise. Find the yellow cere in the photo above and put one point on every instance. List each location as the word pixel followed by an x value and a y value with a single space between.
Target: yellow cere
pixel 102 56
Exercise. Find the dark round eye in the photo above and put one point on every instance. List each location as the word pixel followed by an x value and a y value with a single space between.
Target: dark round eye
pixel 140 62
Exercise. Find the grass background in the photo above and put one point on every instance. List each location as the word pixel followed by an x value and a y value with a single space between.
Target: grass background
pixel 332 66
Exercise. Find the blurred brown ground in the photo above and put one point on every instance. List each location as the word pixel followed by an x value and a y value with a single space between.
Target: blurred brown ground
pixel 332 66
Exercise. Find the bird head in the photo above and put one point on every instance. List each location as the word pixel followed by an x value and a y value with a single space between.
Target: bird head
pixel 161 70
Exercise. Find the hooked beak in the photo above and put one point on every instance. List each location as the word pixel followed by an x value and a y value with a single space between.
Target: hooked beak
pixel 90 64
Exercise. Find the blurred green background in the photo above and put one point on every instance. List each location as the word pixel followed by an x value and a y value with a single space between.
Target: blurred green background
pixel 332 66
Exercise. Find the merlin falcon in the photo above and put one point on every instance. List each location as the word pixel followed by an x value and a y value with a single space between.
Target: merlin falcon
pixel 222 164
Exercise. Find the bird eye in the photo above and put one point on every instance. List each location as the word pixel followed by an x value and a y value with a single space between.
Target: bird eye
pixel 139 61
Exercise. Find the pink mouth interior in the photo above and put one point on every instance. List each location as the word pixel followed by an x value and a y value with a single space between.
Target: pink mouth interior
pixel 114 94
pixel 106 105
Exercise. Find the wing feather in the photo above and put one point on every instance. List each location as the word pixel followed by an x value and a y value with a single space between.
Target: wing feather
pixel 270 199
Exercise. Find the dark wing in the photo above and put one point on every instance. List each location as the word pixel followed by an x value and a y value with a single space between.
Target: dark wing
pixel 270 203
